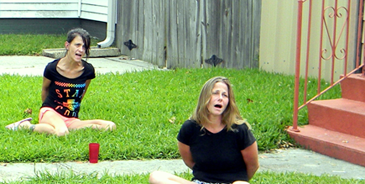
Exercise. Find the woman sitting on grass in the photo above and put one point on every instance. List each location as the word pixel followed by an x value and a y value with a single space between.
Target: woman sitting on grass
pixel 216 143
pixel 65 82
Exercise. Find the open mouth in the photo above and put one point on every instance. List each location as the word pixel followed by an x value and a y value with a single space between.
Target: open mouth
pixel 218 106
pixel 78 55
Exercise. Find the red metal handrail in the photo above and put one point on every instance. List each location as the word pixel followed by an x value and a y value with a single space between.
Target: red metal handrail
pixel 297 64
pixel 333 40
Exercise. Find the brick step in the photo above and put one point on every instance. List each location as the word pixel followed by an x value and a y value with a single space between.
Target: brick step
pixel 331 143
pixel 353 87
pixel 342 115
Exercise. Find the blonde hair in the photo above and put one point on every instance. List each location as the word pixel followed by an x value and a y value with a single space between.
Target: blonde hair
pixel 231 114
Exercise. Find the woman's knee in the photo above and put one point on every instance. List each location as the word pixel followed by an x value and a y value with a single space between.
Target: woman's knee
pixel 62 131
pixel 157 176
pixel 112 126
pixel 240 182
pixel 108 125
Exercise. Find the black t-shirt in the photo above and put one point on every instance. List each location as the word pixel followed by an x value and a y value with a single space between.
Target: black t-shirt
pixel 65 94
pixel 217 156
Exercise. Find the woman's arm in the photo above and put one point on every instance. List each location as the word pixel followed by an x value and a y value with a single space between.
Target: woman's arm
pixel 86 86
pixel 45 88
pixel 186 154
pixel 251 158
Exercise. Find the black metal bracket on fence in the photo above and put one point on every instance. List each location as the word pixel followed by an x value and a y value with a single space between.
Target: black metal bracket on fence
pixel 130 44
pixel 214 60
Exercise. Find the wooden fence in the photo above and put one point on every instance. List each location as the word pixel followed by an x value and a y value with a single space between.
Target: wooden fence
pixel 183 34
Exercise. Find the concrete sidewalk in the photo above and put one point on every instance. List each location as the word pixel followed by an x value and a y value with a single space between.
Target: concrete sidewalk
pixel 283 160
pixel 287 160
pixel 34 65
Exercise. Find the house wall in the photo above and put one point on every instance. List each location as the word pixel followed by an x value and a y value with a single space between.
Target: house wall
pixel 278 38
pixel 53 16
pixel 94 10
pixel 39 9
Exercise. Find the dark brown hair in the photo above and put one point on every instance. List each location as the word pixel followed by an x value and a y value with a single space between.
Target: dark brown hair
pixel 83 34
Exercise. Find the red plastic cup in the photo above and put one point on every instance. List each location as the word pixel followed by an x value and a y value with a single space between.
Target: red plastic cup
pixel 93 152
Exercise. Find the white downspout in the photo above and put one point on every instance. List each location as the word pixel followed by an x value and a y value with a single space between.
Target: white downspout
pixel 110 34
pixel 79 10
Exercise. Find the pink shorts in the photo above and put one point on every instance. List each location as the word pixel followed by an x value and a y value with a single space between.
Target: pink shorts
pixel 68 121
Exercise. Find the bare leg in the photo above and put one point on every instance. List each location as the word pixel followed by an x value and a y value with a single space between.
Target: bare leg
pixel 159 177
pixel 40 128
pixel 95 124
pixel 51 123
pixel 240 182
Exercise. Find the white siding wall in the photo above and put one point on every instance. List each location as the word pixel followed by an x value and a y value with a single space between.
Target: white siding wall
pixel 85 9
pixel 94 10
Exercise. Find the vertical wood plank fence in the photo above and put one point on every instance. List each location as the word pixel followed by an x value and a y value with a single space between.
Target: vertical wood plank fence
pixel 183 34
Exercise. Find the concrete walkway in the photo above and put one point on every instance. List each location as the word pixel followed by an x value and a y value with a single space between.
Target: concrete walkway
pixel 34 65
pixel 285 160
pixel 288 160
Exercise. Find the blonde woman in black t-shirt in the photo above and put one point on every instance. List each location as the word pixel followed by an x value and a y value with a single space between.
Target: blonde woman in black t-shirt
pixel 65 82
pixel 216 142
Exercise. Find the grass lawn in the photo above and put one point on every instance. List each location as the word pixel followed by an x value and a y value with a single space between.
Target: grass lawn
pixel 143 105
pixel 28 44
pixel 260 178
pixel 148 107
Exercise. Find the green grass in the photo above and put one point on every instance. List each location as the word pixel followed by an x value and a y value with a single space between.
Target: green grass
pixel 27 44
pixel 141 104
pixel 259 178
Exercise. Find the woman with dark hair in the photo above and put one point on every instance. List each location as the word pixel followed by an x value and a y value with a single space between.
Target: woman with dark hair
pixel 65 82
pixel 216 142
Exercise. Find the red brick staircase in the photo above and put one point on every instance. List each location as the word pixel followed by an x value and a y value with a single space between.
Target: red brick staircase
pixel 337 127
